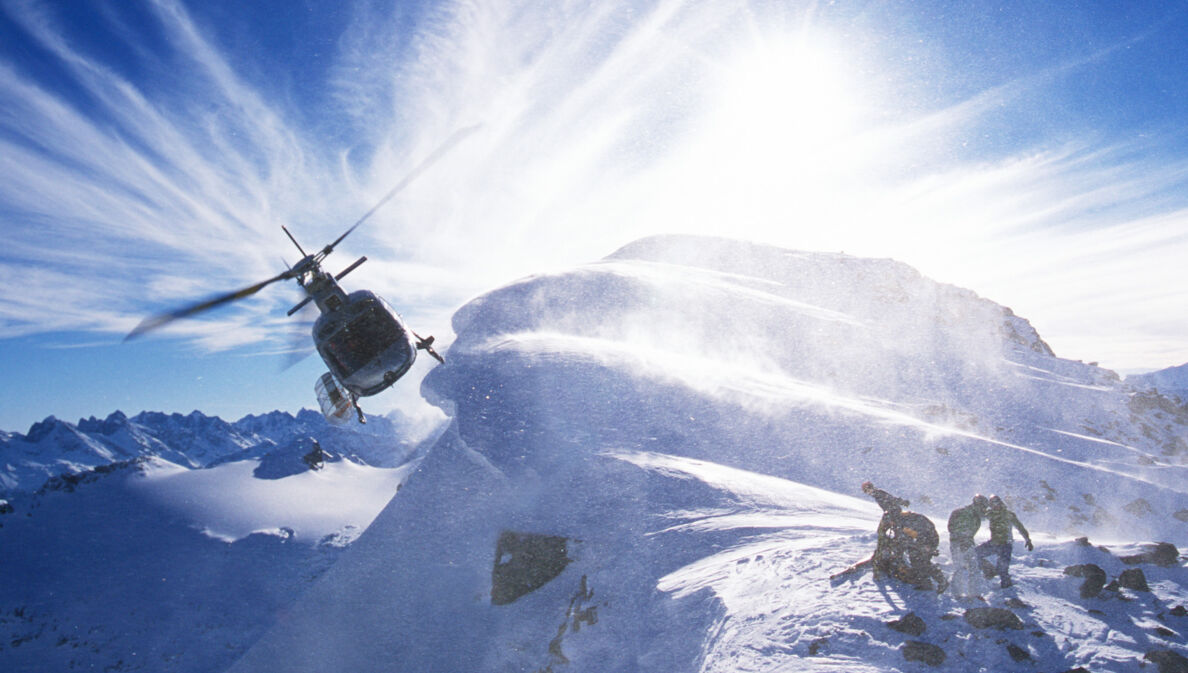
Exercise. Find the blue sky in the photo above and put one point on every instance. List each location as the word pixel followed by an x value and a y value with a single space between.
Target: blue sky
pixel 1032 152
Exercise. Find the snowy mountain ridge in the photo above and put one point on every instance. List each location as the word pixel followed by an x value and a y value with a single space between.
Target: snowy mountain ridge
pixel 1171 382
pixel 53 447
pixel 652 463
pixel 692 418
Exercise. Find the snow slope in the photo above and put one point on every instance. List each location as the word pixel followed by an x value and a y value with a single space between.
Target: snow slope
pixel 692 415
pixel 153 565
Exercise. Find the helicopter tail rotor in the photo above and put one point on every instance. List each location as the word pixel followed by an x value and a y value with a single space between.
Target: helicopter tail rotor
pixel 426 344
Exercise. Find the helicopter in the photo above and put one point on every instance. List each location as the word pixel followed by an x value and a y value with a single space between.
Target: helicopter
pixel 362 340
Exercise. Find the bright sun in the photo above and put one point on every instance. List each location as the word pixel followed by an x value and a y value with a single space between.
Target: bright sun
pixel 779 142
pixel 788 95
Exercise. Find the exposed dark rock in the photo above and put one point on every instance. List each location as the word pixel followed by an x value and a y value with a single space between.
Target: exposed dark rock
pixel 524 562
pixel 1095 578
pixel 816 646
pixel 996 618
pixel 911 624
pixel 297 457
pixel 1167 661
pixel 1133 579
pixel 1164 632
pixel 69 481
pixel 1162 554
pixel 1138 507
pixel 577 614
pixel 916 650
pixel 1078 669
pixel 1179 611
pixel 316 458
pixel 1018 653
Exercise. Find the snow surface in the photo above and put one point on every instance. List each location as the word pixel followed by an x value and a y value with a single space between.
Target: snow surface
pixel 142 563
pixel 312 504
pixel 694 415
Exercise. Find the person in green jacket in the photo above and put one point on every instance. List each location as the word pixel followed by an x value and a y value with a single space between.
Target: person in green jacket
pixel 964 523
pixel 1002 520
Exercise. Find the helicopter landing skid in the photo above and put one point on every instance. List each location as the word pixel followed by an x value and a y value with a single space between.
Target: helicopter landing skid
pixel 358 409
pixel 426 344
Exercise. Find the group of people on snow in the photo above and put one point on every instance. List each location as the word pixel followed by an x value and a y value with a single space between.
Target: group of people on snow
pixel 908 542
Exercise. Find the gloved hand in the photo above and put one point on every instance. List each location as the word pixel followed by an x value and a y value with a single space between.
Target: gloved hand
pixel 1030 547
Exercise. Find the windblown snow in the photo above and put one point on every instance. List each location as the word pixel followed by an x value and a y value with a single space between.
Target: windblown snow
pixel 669 444
pixel 694 417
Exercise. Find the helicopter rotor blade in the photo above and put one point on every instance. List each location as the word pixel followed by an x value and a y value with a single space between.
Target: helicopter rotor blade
pixel 153 322
pixel 415 173
pixel 299 344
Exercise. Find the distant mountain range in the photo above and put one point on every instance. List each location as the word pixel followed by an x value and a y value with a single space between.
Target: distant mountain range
pixel 54 447
pixel 1172 382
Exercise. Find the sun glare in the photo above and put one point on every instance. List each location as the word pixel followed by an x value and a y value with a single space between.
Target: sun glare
pixel 789 95
pixel 780 141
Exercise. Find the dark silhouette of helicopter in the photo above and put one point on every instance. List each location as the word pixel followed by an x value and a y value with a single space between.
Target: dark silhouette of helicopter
pixel 363 341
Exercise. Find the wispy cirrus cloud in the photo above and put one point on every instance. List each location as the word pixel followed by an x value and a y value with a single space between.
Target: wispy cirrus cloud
pixel 601 122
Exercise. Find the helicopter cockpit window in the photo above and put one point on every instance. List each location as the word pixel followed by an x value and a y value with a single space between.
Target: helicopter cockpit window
pixel 361 341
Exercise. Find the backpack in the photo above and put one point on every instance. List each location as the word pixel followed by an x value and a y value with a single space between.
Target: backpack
pixel 917 530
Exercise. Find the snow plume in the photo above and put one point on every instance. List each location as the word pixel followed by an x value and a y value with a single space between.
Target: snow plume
pixel 806 348
pixel 704 507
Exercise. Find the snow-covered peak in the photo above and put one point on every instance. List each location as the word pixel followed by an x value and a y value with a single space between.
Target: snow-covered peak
pixel 830 369
pixel 691 418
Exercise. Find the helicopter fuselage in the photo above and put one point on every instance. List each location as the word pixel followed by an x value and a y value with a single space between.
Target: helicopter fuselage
pixel 360 337
pixel 364 342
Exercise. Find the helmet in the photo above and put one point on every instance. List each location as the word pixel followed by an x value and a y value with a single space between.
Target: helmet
pixel 867 487
pixel 981 501
pixel 996 502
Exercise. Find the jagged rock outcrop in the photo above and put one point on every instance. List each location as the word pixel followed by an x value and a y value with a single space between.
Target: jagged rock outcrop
pixel 1167 661
pixel 301 455
pixel 918 650
pixel 1095 578
pixel 1017 653
pixel 1164 554
pixel 992 618
pixel 524 562
pixel 1133 579
pixel 911 624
